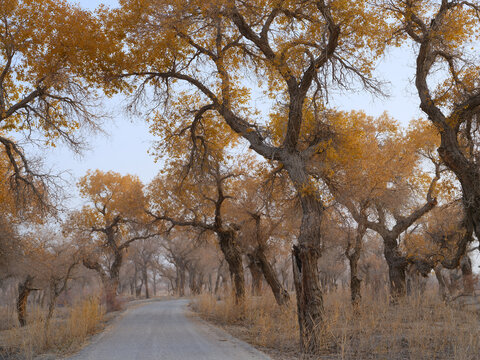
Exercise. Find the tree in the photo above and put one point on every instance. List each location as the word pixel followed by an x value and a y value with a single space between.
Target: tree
pixel 113 219
pixel 295 47
pixel 438 243
pixel 376 172
pixel 142 254
pixel 46 52
pixel 198 203
pixel 444 32
pixel 264 229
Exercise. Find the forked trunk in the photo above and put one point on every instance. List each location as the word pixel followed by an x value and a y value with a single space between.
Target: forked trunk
pixel 234 260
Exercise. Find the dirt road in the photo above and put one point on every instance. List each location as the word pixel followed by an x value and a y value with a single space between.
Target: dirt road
pixel 161 330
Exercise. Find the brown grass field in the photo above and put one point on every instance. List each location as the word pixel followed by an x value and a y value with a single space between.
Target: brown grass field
pixel 417 328
pixel 67 332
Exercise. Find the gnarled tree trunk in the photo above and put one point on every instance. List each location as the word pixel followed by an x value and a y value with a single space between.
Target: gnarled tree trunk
pixel 397 266
pixel 305 260
pixel 353 255
pixel 309 297
pixel 111 286
pixel 234 260
pixel 256 273
pixel 467 275
pixel 442 288
pixel 281 295
pixel 24 289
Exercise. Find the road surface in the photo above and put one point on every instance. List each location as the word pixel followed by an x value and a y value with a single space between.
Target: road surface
pixel 161 330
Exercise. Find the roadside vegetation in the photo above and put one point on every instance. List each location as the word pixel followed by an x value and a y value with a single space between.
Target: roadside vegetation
pixel 418 327
pixel 67 332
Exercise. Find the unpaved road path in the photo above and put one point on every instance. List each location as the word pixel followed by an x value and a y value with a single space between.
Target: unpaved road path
pixel 161 330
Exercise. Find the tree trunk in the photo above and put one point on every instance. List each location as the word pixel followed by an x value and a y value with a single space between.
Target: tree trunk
pixel 467 275
pixel 138 288
pixel 234 260
pixel 309 297
pixel 210 283
pixel 51 307
pixel 145 281
pixel 154 283
pixel 353 255
pixel 467 173
pixel 24 290
pixel 132 286
pixel 191 280
pixel 442 289
pixel 181 283
pixel 397 266
pixel 305 258
pixel 219 276
pixel 256 273
pixel 111 287
pixel 281 295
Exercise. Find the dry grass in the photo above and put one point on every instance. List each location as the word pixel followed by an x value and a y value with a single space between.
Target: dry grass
pixel 66 332
pixel 417 328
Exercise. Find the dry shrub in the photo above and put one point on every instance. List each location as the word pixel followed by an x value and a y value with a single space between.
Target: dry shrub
pixel 64 334
pixel 260 320
pixel 417 328
pixel 8 315
pixel 85 318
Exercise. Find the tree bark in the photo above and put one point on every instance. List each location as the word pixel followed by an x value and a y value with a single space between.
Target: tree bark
pixel 181 280
pixel 145 281
pixel 256 273
pixel 24 290
pixel 51 307
pixel 467 173
pixel 467 275
pixel 305 260
pixel 442 288
pixel 309 297
pixel 234 260
pixel 281 295
pixel 353 256
pixel 397 266
pixel 155 283
pixel 111 287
